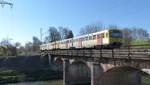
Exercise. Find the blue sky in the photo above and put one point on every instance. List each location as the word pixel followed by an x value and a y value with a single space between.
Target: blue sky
pixel 26 18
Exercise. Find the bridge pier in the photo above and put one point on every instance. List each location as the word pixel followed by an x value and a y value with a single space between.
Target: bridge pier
pixel 96 73
pixel 65 72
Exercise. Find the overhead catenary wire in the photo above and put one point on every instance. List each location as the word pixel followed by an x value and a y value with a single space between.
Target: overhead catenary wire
pixel 3 3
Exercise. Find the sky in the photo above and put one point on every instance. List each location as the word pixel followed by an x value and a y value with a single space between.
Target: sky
pixel 25 19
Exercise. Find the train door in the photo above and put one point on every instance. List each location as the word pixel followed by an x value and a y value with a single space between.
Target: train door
pixel 57 45
pixel 79 43
pixel 67 42
pixel 53 45
pixel 99 39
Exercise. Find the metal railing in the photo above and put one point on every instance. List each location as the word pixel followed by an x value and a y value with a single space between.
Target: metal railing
pixel 128 52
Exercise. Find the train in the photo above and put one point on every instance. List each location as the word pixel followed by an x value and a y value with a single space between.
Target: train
pixel 109 38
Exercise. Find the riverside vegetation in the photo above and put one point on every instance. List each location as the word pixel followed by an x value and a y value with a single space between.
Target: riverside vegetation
pixel 12 76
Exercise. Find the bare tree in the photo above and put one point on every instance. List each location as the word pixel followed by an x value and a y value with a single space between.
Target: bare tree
pixel 70 34
pixel 36 44
pixel 112 27
pixel 17 44
pixel 91 28
pixel 53 35
pixel 139 33
pixel 133 34
pixel 65 33
pixel 127 35
pixel 28 48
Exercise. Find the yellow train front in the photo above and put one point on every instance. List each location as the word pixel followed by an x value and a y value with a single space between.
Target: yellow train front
pixel 115 38
pixel 111 38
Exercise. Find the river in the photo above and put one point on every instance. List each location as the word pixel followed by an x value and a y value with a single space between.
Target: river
pixel 52 82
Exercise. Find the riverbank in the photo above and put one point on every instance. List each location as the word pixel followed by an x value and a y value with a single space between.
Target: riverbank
pixel 28 68
pixel 12 76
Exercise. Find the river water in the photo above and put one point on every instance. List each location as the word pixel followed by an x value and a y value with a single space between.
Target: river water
pixel 52 82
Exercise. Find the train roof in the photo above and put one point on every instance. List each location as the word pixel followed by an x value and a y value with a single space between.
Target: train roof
pixel 93 33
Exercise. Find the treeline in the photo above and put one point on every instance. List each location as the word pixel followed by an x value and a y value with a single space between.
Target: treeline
pixel 131 36
pixel 15 49
pixel 135 36
pixel 60 33
pixel 33 47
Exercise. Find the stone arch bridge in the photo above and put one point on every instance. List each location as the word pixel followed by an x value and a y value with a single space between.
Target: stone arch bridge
pixel 81 66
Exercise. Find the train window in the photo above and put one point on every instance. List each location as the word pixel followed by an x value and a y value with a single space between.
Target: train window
pixel 116 34
pixel 99 36
pixel 80 39
pixel 73 40
pixel 94 37
pixel 106 35
pixel 76 40
pixel 90 37
pixel 102 35
pixel 83 39
pixel 86 38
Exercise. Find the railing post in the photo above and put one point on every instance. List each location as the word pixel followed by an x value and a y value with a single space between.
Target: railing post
pixel 83 52
pixel 91 53
pixel 113 57
pixel 129 52
pixel 101 53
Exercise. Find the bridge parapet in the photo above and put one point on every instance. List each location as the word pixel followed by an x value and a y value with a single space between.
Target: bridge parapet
pixel 137 57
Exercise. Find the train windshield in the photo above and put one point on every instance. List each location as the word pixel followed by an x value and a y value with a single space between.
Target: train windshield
pixel 116 34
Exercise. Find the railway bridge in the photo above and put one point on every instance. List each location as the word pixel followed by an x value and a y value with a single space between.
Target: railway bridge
pixel 86 65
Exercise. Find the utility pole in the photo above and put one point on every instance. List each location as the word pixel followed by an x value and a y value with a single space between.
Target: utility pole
pixel 41 34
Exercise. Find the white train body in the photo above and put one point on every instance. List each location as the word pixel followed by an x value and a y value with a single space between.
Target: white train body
pixel 106 37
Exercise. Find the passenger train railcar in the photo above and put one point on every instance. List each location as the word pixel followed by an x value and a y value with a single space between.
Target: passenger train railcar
pixel 103 39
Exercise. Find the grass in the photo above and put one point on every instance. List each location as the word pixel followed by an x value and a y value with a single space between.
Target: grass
pixel 145 79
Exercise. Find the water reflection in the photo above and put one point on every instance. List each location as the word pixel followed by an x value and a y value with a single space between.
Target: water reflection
pixel 53 82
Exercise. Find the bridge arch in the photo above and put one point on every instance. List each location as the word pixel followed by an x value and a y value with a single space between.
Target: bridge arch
pixel 124 75
pixel 81 68
pixel 58 60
